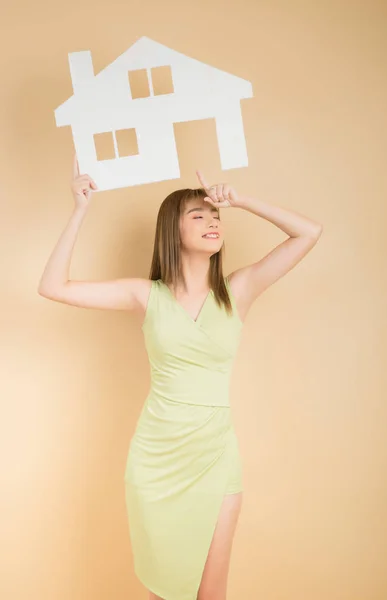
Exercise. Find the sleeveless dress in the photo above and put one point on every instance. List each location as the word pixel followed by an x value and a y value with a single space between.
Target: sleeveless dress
pixel 184 454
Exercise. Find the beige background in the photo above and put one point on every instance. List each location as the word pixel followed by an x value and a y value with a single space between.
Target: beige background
pixel 308 390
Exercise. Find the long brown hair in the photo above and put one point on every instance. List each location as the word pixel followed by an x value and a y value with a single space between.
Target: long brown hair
pixel 166 259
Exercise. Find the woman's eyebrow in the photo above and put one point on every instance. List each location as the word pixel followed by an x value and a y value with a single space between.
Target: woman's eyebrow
pixel 213 209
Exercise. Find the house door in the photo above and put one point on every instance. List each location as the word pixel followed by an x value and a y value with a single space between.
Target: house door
pixel 197 148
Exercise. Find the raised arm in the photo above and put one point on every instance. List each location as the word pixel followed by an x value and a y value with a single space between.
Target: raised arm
pixel 248 282
pixel 303 233
pixel 119 294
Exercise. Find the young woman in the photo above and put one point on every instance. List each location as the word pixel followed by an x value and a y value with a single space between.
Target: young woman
pixel 183 479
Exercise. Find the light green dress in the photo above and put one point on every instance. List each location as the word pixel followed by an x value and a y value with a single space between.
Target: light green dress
pixel 184 455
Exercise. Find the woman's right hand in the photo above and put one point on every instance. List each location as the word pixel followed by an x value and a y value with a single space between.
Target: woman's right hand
pixel 82 186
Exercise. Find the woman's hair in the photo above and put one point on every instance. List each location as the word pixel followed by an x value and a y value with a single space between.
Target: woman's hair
pixel 166 259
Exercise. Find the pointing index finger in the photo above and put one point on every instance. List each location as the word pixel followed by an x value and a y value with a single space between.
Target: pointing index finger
pixel 203 182
pixel 75 166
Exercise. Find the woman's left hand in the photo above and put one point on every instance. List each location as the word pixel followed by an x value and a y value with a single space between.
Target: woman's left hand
pixel 220 195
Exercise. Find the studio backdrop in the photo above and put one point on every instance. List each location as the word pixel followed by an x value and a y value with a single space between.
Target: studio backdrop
pixel 287 102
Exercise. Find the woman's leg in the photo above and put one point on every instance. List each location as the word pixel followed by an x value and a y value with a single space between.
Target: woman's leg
pixel 153 596
pixel 213 585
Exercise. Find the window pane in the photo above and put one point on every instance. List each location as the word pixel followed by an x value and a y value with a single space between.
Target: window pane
pixel 162 80
pixel 127 142
pixel 104 145
pixel 138 81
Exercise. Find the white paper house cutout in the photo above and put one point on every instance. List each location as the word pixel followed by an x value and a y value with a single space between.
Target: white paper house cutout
pixel 103 103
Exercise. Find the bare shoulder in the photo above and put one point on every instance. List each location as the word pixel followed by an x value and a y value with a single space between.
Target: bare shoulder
pixel 141 289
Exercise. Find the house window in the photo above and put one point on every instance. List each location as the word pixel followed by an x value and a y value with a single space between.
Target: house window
pixel 156 81
pixel 104 145
pixel 127 144
pixel 116 144
pixel 139 84
pixel 162 80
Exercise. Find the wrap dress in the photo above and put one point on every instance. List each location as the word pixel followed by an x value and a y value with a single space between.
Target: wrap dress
pixel 184 454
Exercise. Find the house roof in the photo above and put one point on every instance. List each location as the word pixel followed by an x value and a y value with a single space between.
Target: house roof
pixel 191 77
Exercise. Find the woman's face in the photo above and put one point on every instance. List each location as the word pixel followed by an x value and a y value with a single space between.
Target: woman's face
pixel 200 227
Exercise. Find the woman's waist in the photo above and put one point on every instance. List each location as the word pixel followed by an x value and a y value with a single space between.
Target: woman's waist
pixel 208 389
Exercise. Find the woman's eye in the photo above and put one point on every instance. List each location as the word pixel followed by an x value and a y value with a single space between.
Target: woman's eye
pixel 200 217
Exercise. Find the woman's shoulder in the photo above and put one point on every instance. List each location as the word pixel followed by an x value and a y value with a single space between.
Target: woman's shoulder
pixel 144 289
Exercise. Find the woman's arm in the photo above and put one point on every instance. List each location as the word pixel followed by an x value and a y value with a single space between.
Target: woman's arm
pixel 303 235
pixel 292 223
pixel 56 273
pixel 249 282
pixel 125 294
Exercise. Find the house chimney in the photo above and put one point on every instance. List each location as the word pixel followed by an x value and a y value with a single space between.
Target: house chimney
pixel 81 69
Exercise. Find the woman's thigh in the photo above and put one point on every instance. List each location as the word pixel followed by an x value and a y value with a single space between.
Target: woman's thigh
pixel 213 585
